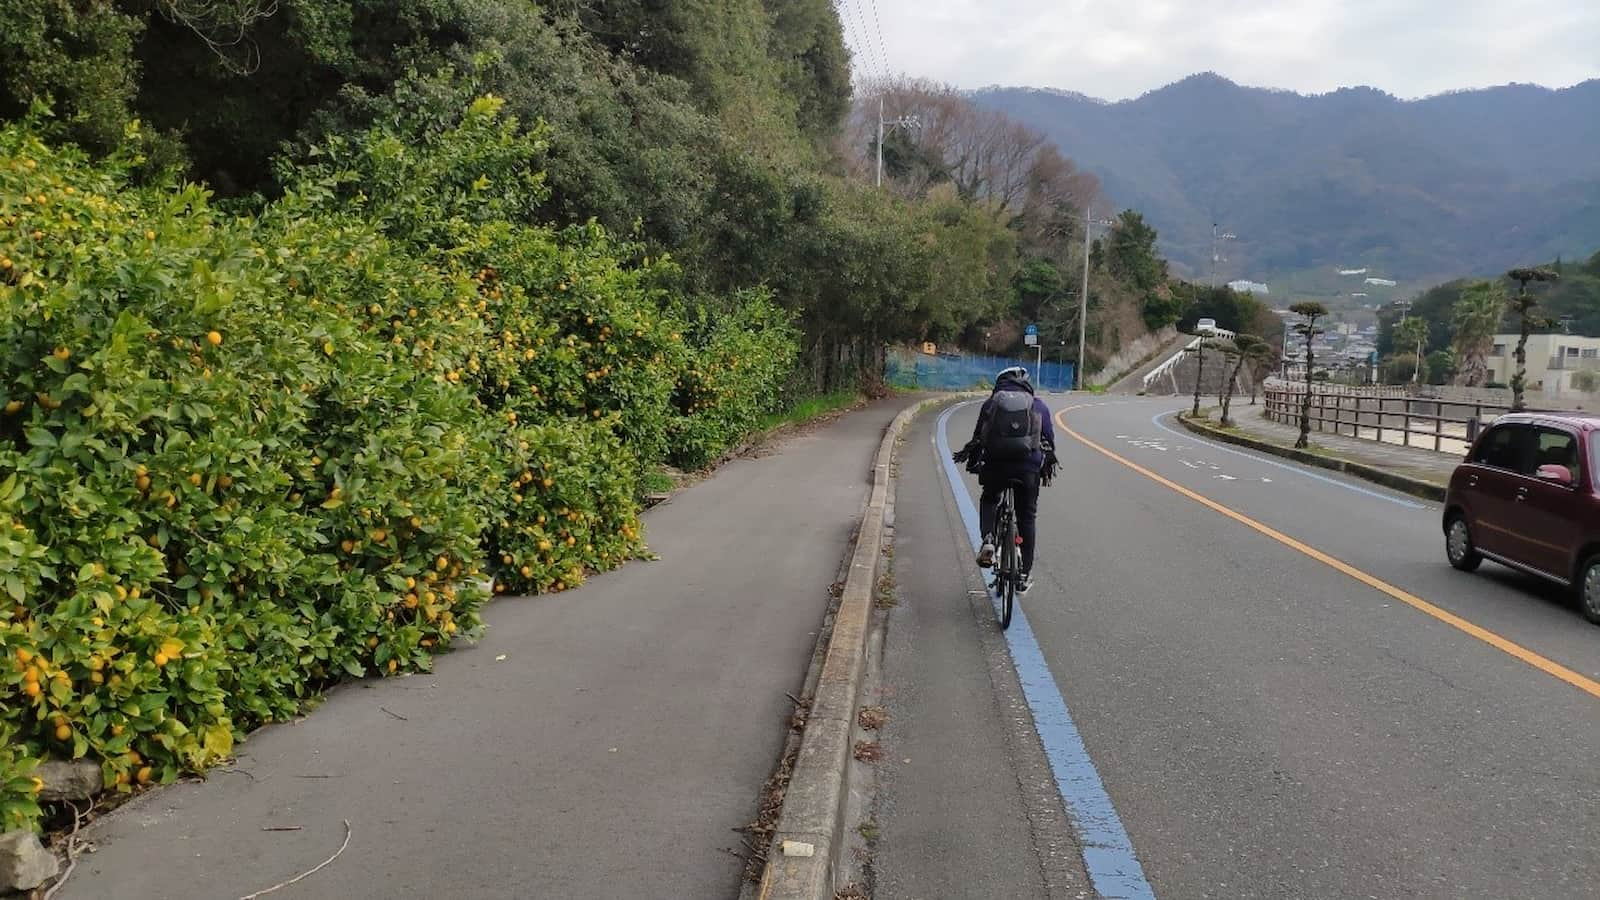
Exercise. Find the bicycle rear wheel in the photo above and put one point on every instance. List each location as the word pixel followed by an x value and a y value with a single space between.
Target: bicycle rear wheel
pixel 1008 598
pixel 1010 568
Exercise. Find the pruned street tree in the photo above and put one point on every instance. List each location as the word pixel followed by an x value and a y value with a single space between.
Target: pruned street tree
pixel 1525 305
pixel 1245 349
pixel 1309 313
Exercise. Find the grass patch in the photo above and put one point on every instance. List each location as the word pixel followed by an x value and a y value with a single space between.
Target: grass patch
pixel 809 408
pixel 658 482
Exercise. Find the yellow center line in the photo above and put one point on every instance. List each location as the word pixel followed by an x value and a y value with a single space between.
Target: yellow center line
pixel 1502 644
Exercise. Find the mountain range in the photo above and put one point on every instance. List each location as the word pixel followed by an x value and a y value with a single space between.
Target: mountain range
pixel 1417 191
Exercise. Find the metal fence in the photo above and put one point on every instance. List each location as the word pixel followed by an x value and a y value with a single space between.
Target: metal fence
pixel 953 372
pixel 1383 414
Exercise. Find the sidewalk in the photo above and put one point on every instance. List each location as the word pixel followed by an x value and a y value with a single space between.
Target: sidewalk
pixel 604 742
pixel 1412 469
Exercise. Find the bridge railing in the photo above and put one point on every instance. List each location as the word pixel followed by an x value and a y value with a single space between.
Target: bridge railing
pixel 1387 415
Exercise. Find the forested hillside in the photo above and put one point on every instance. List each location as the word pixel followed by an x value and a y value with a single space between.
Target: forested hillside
pixel 1469 182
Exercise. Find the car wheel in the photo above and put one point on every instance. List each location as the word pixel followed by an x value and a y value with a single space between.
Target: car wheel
pixel 1459 548
pixel 1589 590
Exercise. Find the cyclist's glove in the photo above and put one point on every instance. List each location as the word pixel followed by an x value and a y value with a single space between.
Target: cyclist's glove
pixel 1051 464
pixel 967 454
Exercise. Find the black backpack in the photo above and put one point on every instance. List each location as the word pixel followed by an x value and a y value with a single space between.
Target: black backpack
pixel 1014 431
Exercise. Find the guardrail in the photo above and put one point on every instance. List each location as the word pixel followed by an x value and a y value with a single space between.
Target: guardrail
pixel 1384 415
pixel 1176 358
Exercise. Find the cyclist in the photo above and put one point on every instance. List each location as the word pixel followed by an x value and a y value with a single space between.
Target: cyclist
pixel 1013 446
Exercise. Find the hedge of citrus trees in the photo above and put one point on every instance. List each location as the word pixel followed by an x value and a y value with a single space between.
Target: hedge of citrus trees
pixel 243 457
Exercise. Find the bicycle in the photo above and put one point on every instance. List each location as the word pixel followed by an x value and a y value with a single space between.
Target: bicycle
pixel 1008 567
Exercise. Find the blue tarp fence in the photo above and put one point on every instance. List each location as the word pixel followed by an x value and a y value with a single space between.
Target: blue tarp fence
pixel 953 372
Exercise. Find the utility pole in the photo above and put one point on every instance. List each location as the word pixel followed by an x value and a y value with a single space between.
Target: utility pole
pixel 1216 257
pixel 901 122
pixel 880 142
pixel 1083 299
pixel 1083 296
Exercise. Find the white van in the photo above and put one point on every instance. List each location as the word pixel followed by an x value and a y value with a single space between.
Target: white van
pixel 1205 326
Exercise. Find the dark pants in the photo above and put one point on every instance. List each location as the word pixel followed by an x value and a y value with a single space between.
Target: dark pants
pixel 1026 502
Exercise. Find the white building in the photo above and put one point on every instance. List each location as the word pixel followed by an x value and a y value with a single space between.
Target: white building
pixel 1245 286
pixel 1552 360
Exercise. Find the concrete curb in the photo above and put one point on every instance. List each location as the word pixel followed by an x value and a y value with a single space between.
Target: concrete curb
pixel 813 805
pixel 1405 484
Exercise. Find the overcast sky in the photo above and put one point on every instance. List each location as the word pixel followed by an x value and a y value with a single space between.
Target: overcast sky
pixel 1117 49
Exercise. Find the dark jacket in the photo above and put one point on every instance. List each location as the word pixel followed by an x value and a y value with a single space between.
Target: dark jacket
pixel 1035 461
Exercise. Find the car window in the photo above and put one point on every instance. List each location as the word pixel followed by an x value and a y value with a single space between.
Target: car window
pixel 1557 448
pixel 1504 447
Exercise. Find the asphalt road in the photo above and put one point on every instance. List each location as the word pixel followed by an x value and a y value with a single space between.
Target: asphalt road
pixel 1267 714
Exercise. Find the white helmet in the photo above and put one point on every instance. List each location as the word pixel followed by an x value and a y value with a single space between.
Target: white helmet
pixel 1013 373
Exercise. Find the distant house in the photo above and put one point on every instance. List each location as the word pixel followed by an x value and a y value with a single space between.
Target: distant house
pixel 1381 282
pixel 1552 359
pixel 1244 286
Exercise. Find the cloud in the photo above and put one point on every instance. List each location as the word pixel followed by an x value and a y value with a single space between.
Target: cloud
pixel 1122 48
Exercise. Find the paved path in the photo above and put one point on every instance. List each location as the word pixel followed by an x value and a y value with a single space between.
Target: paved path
pixel 1414 461
pixel 1265 724
pixel 599 743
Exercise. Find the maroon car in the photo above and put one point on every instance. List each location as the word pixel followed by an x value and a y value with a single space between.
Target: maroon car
pixel 1528 496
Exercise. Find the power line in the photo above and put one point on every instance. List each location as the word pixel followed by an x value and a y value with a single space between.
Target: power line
pixel 884 51
pixel 864 49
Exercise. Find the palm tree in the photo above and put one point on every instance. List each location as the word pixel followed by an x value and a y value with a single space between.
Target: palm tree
pixel 1523 305
pixel 1310 312
pixel 1245 347
pixel 1412 334
pixel 1477 317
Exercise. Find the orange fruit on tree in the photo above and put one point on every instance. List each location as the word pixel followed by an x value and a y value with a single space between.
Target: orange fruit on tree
pixel 63 733
pixel 214 338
